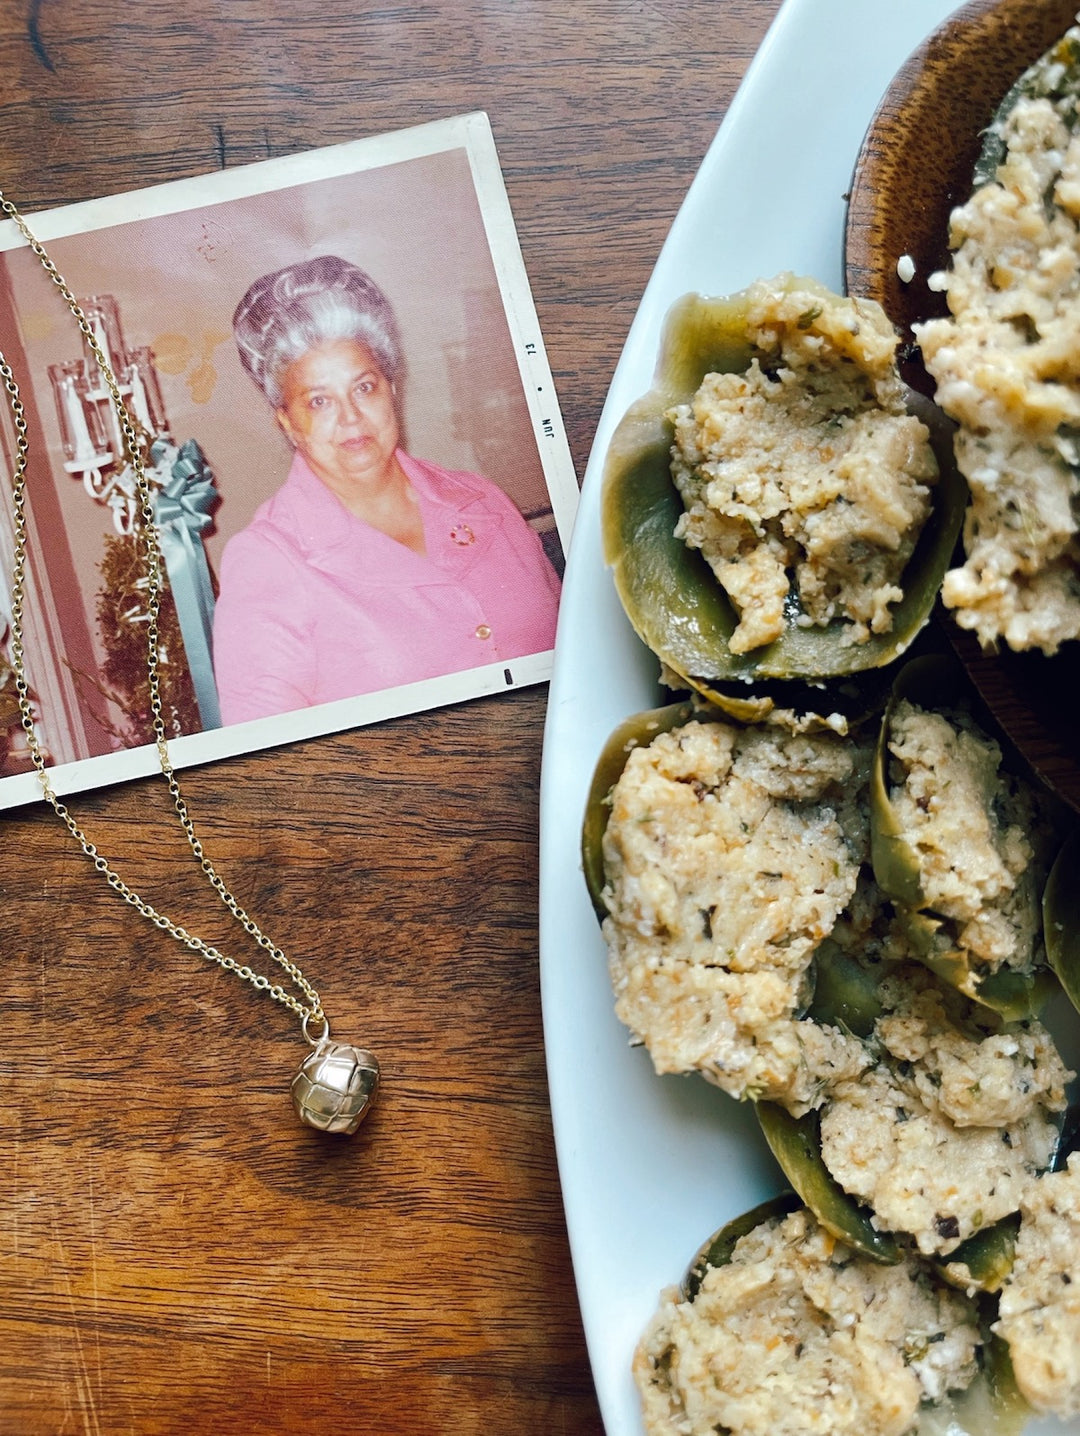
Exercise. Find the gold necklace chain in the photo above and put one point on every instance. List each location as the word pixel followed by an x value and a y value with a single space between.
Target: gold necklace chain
pixel 322 1083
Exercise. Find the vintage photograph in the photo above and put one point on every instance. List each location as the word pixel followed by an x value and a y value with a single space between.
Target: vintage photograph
pixel 360 479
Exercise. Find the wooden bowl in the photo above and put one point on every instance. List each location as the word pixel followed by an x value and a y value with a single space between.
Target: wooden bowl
pixel 913 168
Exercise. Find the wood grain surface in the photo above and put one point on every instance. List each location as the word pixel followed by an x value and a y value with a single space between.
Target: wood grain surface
pixel 176 1254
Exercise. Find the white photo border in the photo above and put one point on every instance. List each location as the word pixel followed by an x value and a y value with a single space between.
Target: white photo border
pixel 471 132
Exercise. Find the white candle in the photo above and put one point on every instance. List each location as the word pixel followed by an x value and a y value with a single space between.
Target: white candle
pixel 76 424
pixel 138 399
pixel 103 342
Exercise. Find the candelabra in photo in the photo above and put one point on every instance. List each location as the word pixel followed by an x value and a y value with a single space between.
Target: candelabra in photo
pixel 180 480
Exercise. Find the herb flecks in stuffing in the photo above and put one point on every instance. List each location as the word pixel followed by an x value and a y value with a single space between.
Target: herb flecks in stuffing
pixel 798 1333
pixel 1005 365
pixel 805 481
pixel 730 854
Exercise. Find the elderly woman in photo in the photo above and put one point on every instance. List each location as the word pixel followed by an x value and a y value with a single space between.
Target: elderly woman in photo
pixel 368 568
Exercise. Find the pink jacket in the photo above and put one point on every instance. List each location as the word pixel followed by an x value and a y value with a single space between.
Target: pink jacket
pixel 317 605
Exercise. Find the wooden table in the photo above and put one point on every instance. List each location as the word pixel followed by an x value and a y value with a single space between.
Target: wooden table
pixel 176 1254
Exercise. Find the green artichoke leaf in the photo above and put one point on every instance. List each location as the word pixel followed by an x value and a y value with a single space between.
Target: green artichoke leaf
pixel 1069 1139
pixel 670 594
pixel 717 1251
pixel 1061 918
pixel 635 732
pixel 845 991
pixel 985 1259
pixel 1013 995
pixel 894 860
pixel 934 682
pixel 796 1144
pixel 846 704
pixel 931 681
pixel 1054 76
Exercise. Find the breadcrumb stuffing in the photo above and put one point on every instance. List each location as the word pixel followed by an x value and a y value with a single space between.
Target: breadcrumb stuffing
pixel 867 929
pixel 1005 367
pixel 804 479
pixel 976 835
pixel 919 1172
pixel 989 1078
pixel 946 1133
pixel 798 1335
pixel 729 855
pixel 1039 1313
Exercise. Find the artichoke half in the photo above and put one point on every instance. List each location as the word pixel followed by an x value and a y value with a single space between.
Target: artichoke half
pixel 670 594
pixel 991 1405
pixel 638 731
pixel 935 683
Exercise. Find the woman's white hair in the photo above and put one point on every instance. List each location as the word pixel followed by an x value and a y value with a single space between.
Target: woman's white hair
pixel 286 313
